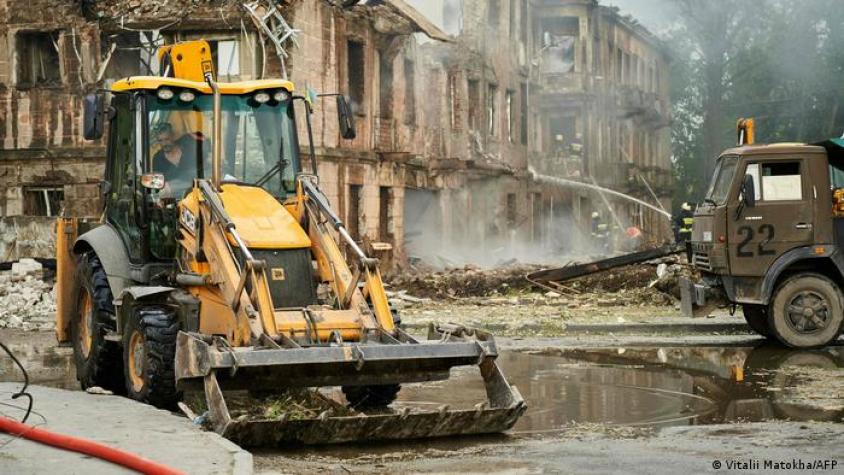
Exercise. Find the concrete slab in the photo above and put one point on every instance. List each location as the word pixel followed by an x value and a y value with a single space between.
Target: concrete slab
pixel 152 433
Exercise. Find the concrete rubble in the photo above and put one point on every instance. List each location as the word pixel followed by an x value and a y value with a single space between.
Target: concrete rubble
pixel 27 302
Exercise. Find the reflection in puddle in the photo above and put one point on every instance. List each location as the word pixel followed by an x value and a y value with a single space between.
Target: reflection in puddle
pixel 654 387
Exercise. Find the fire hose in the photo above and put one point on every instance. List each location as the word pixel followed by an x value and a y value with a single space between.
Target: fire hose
pixel 85 446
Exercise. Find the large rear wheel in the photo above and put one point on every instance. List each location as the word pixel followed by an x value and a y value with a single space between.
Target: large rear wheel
pixel 149 356
pixel 807 311
pixel 98 361
pixel 371 397
pixel 756 317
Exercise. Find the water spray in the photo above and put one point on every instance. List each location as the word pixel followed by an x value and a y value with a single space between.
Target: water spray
pixel 566 183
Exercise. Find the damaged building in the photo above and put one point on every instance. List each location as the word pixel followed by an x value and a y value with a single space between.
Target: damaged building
pixel 456 102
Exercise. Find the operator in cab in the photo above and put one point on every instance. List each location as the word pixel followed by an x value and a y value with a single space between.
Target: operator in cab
pixel 177 159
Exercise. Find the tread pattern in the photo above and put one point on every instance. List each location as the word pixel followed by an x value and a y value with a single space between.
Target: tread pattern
pixel 371 397
pixel 105 365
pixel 160 327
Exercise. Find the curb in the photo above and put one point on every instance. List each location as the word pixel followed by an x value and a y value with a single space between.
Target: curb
pixel 242 463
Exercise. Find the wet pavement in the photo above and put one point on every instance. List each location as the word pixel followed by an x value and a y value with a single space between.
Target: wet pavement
pixel 647 388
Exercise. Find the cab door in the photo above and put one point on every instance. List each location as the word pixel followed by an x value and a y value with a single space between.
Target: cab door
pixel 781 220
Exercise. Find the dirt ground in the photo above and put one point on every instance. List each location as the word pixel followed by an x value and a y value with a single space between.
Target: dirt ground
pixel 615 379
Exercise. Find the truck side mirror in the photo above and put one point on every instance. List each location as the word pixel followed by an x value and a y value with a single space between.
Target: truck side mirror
pixel 748 191
pixel 94 115
pixel 344 115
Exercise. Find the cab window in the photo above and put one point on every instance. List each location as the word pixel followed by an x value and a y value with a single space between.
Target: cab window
pixel 777 181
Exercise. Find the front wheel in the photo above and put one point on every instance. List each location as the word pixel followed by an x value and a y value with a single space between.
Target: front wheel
pixel 807 311
pixel 756 317
pixel 97 360
pixel 149 356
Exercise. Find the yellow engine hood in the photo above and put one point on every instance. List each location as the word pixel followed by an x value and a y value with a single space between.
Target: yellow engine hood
pixel 262 222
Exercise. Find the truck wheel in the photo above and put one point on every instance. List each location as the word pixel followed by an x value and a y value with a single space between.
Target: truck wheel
pixel 98 361
pixel 371 397
pixel 149 356
pixel 807 311
pixel 757 318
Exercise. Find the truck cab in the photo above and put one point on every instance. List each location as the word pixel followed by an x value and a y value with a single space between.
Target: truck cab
pixel 766 234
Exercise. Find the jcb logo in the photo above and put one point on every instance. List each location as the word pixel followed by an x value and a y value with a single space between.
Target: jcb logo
pixel 277 273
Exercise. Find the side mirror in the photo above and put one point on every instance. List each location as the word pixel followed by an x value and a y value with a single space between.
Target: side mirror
pixel 93 120
pixel 344 115
pixel 748 191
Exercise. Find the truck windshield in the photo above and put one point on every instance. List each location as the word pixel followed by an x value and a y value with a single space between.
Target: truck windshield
pixel 258 142
pixel 722 178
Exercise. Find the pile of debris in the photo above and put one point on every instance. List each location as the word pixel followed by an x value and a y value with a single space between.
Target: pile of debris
pixel 468 281
pixel 654 282
pixel 27 302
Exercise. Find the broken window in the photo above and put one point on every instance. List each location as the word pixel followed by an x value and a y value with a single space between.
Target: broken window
pixel 385 212
pixel 511 210
pixel 474 103
pixel 453 16
pixel 493 12
pixel 38 58
pixel 452 99
pixel 523 113
pixel 559 37
pixel 43 201
pixel 409 93
pixel 385 87
pixel 354 215
pixel 121 55
pixel 226 54
pixel 563 131
pixel 492 109
pixel 508 104
pixel 536 201
pixel 619 62
pixel 355 75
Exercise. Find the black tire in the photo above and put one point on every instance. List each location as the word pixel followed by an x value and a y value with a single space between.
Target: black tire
pixel 807 311
pixel 756 317
pixel 98 361
pixel 149 356
pixel 371 397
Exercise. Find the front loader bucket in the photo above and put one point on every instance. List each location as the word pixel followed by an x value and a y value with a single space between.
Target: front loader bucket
pixel 380 359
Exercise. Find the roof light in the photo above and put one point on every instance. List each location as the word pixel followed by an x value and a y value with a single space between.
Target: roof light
pixel 187 96
pixel 261 97
pixel 281 95
pixel 165 94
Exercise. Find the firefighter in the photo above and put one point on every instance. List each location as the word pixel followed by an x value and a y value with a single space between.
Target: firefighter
pixel 600 231
pixel 683 224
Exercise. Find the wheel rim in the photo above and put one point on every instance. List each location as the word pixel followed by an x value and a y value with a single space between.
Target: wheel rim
pixel 136 361
pixel 85 322
pixel 808 312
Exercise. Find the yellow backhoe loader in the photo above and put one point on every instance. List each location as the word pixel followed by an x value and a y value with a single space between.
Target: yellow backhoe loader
pixel 217 265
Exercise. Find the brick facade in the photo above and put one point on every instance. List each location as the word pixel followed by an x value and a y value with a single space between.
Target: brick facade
pixel 446 131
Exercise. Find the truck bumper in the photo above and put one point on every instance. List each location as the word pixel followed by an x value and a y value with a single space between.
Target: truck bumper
pixel 699 299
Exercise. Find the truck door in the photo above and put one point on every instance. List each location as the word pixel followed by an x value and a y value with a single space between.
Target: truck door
pixel 782 218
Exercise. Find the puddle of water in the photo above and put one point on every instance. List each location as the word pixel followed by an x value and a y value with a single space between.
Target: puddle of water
pixel 652 387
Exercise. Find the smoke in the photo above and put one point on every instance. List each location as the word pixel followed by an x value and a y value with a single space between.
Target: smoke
pixel 485 228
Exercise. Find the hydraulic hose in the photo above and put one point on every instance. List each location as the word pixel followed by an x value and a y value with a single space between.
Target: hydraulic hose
pixel 85 446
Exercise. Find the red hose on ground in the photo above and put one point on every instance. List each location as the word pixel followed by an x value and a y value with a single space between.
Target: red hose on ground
pixel 85 446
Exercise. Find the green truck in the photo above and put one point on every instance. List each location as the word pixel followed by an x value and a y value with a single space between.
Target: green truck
pixel 769 235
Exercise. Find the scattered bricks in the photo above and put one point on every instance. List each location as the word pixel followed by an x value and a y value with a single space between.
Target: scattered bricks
pixel 26 302
pixel 26 267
